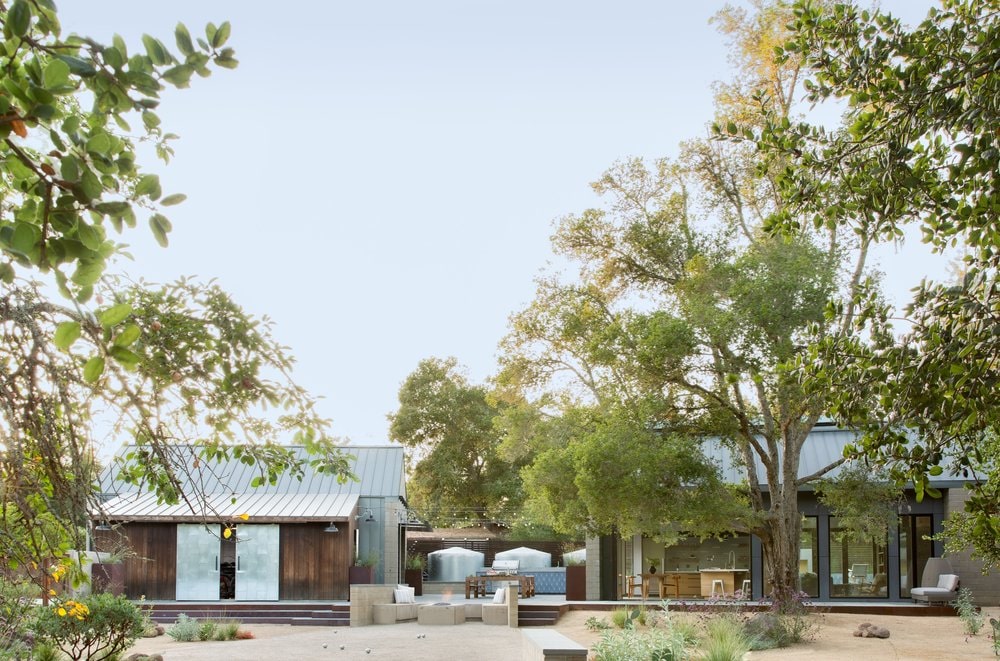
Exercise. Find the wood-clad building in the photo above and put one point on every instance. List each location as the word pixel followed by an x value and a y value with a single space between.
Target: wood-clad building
pixel 293 540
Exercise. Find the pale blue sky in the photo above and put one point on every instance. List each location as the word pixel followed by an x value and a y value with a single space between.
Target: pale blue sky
pixel 380 178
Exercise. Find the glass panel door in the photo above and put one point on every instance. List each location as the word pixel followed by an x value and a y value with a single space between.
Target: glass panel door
pixel 257 566
pixel 197 562
pixel 914 549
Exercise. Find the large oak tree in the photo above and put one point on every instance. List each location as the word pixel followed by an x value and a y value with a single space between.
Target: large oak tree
pixel 685 319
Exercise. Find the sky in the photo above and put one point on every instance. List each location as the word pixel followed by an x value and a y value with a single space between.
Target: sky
pixel 381 178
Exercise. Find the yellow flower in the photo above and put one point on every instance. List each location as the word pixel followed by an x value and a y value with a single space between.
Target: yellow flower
pixel 61 611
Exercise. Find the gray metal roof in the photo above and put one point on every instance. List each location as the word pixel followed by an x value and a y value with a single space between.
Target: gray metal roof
pixel 824 445
pixel 256 507
pixel 379 469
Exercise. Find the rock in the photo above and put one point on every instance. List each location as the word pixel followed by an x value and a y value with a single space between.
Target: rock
pixel 144 657
pixel 869 630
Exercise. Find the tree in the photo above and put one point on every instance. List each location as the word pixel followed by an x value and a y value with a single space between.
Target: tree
pixel 688 316
pixel 459 476
pixel 69 174
pixel 920 148
pixel 180 364
pixel 164 365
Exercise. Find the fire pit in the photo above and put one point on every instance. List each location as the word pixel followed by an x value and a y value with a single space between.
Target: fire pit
pixel 441 613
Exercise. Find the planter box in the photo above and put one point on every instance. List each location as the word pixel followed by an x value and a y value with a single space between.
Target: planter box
pixel 576 583
pixel 360 575
pixel 415 579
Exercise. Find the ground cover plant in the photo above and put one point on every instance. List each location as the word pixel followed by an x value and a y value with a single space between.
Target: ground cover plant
pixel 188 629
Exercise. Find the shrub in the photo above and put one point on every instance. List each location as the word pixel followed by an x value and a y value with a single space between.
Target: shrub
pixel 971 617
pixel 597 624
pixel 44 651
pixel 185 629
pixel 725 640
pixel 630 645
pixel 99 626
pixel 206 630
pixel 15 610
pixel 227 629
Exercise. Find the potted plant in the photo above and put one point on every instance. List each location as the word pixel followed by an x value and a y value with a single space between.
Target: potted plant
pixel 654 563
pixel 413 573
pixel 576 579
pixel 363 570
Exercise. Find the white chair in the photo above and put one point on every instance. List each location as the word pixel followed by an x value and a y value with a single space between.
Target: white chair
pixel 718 582
pixel 746 589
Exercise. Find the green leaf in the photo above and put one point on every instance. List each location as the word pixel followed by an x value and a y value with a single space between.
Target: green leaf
pixel 125 357
pixel 149 185
pixel 128 336
pixel 6 273
pixel 24 238
pixel 221 35
pixel 179 76
pixel 114 315
pixel 19 18
pixel 150 119
pixel 99 142
pixel 89 235
pixel 93 369
pixel 161 227
pixel 171 200
pixel 66 334
pixel 56 74
pixel 155 50
pixel 69 168
pixel 183 38
pixel 77 66
pixel 88 272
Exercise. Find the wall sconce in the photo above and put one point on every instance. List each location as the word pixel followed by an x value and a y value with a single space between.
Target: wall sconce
pixel 331 528
pixel 370 518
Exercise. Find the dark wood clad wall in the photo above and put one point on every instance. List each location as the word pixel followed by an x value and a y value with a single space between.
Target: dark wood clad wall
pixel 151 559
pixel 314 563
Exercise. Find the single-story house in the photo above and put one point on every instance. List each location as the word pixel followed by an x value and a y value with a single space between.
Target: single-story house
pixel 831 567
pixel 293 540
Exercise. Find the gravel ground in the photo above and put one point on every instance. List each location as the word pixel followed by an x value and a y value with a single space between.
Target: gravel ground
pixel 916 638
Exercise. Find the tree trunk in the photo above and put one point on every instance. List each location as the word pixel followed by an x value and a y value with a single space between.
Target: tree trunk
pixel 781 541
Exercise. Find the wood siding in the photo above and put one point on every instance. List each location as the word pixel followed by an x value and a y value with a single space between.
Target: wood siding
pixel 314 563
pixel 151 558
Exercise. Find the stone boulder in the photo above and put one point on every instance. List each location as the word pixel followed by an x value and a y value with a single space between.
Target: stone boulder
pixel 869 630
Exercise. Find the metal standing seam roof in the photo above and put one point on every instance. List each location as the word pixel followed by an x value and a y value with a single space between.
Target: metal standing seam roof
pixel 824 445
pixel 256 507
pixel 317 496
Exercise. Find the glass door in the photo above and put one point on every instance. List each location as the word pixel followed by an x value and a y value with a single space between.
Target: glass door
pixel 257 562
pixel 198 562
pixel 914 549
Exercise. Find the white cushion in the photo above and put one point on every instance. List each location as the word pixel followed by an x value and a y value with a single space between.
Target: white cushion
pixel 404 595
pixel 948 581
pixel 501 596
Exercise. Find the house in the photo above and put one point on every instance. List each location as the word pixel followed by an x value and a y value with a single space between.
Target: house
pixel 831 566
pixel 292 540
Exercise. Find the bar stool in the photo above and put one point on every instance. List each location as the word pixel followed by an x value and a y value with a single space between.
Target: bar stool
pixel 746 590
pixel 722 586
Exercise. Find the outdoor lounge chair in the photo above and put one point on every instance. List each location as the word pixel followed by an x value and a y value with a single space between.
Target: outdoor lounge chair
pixel 937 584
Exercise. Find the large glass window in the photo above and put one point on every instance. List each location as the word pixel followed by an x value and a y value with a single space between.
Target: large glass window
pixel 857 568
pixel 809 557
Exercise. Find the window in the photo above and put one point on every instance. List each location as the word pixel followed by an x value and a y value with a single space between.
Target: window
pixel 857 568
